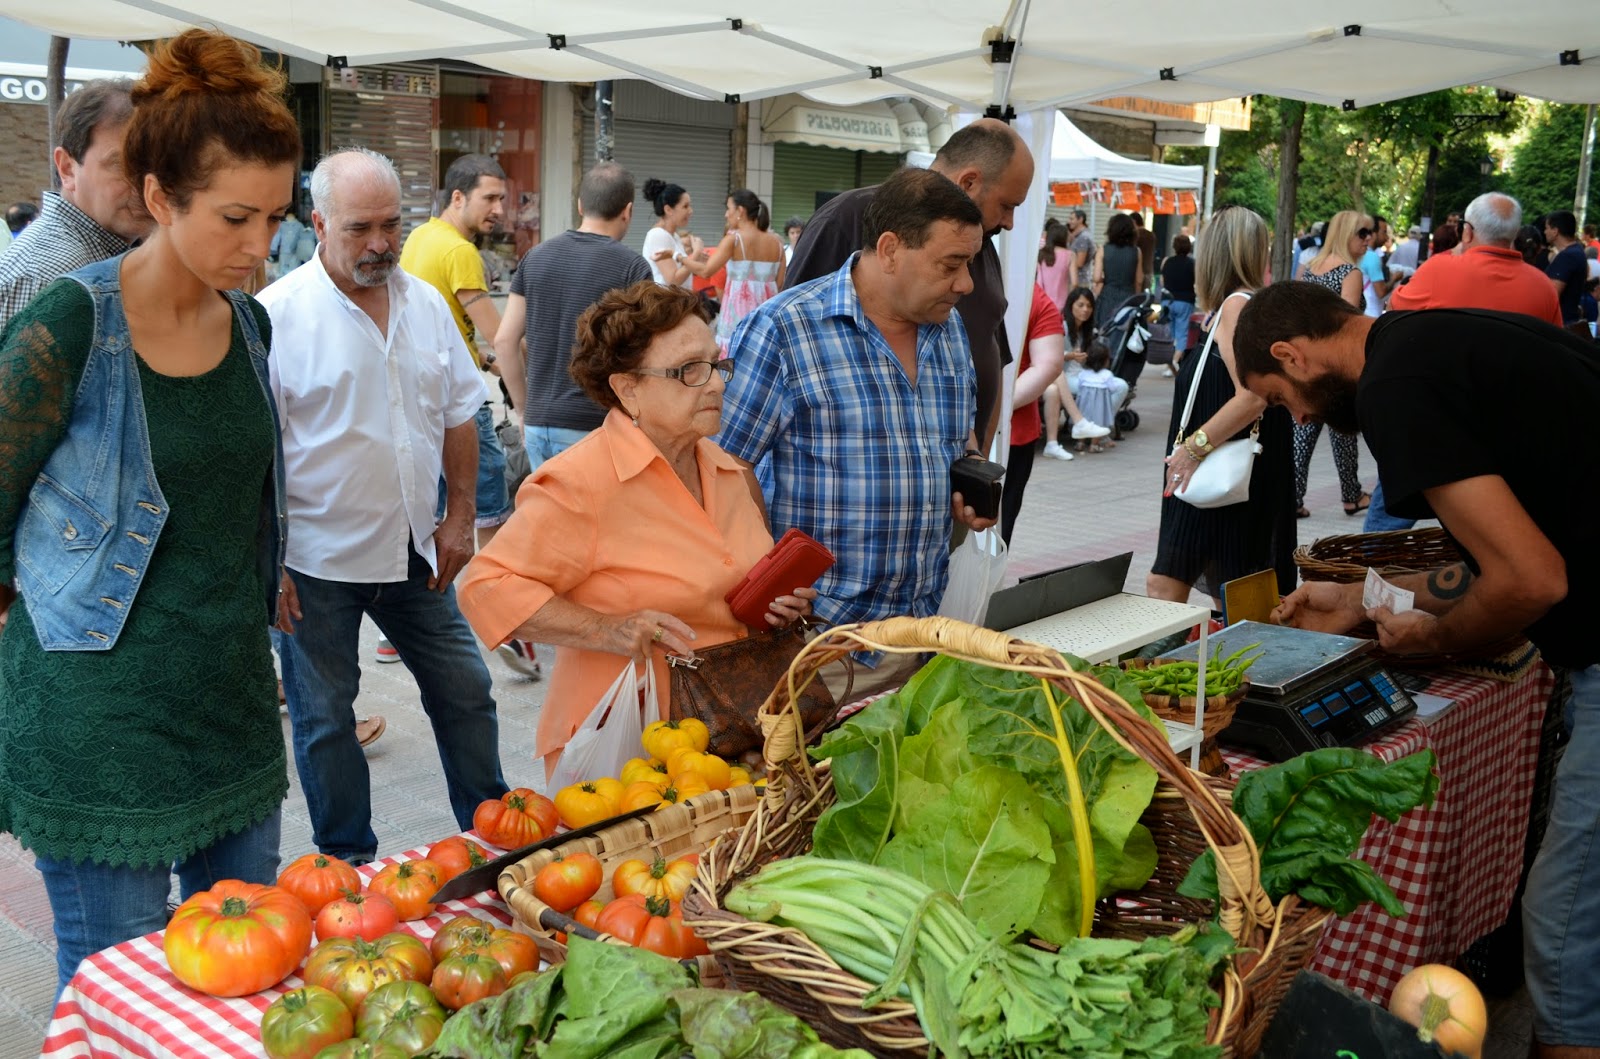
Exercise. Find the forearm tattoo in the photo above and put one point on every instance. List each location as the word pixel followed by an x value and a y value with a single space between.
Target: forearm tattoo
pixel 1450 582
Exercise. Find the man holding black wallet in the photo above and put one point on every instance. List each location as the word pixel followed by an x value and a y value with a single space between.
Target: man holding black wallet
pixel 859 388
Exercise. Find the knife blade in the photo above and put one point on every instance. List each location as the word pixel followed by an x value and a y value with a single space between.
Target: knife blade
pixel 485 876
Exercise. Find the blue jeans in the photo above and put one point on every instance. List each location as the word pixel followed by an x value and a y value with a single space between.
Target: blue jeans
pixel 494 499
pixel 545 442
pixel 1561 906
pixel 1378 518
pixel 322 673
pixel 97 906
pixel 1180 312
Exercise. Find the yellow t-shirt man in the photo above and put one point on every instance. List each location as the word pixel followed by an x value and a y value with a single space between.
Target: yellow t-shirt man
pixel 440 256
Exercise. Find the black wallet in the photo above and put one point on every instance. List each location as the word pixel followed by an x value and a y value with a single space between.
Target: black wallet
pixel 978 482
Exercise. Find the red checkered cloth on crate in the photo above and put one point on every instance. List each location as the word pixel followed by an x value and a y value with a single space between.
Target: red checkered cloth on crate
pixel 1454 866
pixel 125 1002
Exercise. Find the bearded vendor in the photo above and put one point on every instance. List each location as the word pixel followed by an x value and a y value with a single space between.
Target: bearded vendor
pixel 1510 469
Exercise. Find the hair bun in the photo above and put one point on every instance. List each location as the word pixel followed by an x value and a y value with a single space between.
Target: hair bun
pixel 207 62
pixel 653 188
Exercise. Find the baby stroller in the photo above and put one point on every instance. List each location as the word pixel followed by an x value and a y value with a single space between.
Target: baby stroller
pixel 1139 331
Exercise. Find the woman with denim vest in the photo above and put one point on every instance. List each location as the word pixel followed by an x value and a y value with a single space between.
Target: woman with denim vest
pixel 141 504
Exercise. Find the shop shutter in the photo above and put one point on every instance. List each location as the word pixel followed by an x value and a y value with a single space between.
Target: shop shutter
pixel 800 171
pixel 388 109
pixel 697 158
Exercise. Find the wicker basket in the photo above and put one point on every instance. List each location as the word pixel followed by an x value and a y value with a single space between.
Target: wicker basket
pixel 1180 708
pixel 1345 558
pixel 1189 813
pixel 673 832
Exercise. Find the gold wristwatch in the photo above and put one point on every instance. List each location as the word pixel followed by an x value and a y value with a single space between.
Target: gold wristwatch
pixel 1200 440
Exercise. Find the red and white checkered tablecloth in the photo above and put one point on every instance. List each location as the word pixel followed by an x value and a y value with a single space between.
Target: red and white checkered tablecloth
pixel 1454 866
pixel 125 1002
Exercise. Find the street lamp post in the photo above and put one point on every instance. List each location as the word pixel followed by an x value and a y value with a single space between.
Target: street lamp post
pixel 1485 167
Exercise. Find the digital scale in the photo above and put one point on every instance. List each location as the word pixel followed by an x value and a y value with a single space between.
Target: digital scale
pixel 1308 690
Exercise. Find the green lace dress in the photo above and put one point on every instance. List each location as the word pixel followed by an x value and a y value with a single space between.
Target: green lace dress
pixel 155 749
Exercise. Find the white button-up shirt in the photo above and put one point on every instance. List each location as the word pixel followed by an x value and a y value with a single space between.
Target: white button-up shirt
pixel 364 415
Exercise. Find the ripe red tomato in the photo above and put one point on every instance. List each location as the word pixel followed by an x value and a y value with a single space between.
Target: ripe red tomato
pixel 457 854
pixel 452 935
pixel 517 818
pixel 237 938
pixel 466 977
pixel 299 1025
pixel 513 951
pixel 351 968
pixel 368 916
pixel 408 885
pixel 567 882
pixel 317 878
pixel 652 923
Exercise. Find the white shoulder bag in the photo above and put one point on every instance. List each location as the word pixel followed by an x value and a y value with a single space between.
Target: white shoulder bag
pixel 1223 477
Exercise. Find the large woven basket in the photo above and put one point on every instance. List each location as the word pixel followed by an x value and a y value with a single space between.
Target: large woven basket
pixel 690 827
pixel 1189 813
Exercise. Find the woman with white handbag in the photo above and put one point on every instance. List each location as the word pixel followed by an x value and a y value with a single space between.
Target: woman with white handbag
pixel 1228 506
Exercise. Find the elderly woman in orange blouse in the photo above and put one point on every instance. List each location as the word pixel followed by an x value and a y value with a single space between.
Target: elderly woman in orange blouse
pixel 623 546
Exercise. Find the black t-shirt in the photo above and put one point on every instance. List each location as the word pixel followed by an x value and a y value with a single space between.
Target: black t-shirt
pixel 834 233
pixel 559 279
pixel 1572 267
pixel 1451 394
pixel 1177 275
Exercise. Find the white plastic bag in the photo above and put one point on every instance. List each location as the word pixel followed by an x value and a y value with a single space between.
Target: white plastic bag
pixel 977 568
pixel 610 735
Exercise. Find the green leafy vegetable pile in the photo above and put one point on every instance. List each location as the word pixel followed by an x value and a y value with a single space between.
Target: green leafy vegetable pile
pixel 1308 816
pixel 619 1002
pixel 978 998
pixel 959 780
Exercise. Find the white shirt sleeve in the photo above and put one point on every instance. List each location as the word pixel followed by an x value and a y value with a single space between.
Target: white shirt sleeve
pixel 655 241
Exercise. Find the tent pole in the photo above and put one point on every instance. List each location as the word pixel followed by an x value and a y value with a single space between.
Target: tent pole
pixel 1580 201
pixel 604 140
pixel 1211 184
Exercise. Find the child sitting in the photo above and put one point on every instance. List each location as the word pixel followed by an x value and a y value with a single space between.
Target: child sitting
pixel 1096 391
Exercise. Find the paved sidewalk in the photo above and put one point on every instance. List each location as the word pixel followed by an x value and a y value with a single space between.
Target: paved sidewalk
pixel 1095 506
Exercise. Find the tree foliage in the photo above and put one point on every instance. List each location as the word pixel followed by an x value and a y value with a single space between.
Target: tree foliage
pixel 1544 167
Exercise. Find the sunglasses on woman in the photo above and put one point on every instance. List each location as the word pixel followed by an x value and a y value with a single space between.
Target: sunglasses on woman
pixel 694 373
pixel 1363 233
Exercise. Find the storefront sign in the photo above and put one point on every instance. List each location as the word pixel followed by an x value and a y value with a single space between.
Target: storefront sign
pixel 850 124
pixel 868 127
pixel 30 89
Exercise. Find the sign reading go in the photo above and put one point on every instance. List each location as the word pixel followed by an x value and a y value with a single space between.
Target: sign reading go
pixel 29 89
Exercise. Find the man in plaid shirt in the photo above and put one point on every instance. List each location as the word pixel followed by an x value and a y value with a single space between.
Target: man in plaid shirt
pixel 95 215
pixel 859 388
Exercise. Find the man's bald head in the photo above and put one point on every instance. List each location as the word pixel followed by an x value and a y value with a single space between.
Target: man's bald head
pixel 348 168
pixel 992 164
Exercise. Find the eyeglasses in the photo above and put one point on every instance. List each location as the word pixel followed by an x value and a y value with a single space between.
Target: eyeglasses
pixel 694 373
pixel 1363 233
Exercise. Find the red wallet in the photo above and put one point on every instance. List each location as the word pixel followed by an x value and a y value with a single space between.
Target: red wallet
pixel 796 561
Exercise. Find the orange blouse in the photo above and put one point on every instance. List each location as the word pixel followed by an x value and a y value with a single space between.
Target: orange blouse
pixel 608 525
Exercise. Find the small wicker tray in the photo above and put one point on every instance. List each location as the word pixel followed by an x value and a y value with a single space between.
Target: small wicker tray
pixel 1180 708
pixel 673 832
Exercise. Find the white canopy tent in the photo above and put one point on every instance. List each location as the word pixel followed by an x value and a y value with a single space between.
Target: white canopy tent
pixel 1027 54
pixel 1074 156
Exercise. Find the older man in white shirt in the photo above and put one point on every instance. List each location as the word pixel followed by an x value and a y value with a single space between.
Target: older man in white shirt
pixel 377 394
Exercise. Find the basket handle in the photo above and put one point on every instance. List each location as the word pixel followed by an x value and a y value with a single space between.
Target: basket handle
pixel 1245 909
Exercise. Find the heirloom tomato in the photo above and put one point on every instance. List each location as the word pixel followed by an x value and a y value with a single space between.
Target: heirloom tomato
pixel 301 1024
pixel 657 878
pixel 317 878
pixel 408 886
pixel 738 777
pixel 404 1014
pixel 588 803
pixel 567 882
pixel 351 968
pixel 642 793
pixel 368 916
pixel 455 855
pixel 513 951
pixel 689 785
pixel 663 737
pixel 517 818
pixel 356 1048
pixel 465 977
pixel 237 938
pixel 643 769
pixel 652 923
pixel 709 767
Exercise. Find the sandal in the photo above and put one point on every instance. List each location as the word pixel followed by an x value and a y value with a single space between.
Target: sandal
pixel 1302 512
pixel 1357 508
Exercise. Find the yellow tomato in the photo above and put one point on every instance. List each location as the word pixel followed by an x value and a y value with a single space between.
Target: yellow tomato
pixel 583 804
pixel 663 737
pixel 710 767
pixel 640 794
pixel 738 777
pixel 683 788
pixel 640 768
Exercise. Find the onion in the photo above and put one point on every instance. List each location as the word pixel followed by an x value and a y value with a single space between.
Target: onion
pixel 1445 1007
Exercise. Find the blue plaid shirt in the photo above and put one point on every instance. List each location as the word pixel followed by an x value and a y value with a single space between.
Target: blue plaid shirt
pixel 859 458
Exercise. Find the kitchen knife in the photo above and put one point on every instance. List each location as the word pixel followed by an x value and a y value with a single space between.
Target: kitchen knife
pixel 486 876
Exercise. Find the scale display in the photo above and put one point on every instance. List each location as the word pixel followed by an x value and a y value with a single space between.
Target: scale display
pixel 1307 691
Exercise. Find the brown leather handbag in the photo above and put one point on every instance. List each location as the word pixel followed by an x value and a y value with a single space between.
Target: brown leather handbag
pixel 724 686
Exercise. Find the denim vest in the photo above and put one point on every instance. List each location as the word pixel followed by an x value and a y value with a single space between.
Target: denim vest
pixel 90 524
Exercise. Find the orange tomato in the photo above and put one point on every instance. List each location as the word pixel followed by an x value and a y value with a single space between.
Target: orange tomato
pixel 455 855
pixel 517 818
pixel 652 923
pixel 237 938
pixel 639 794
pixel 660 878
pixel 708 767
pixel 408 886
pixel 317 879
pixel 567 882
pixel 1445 1007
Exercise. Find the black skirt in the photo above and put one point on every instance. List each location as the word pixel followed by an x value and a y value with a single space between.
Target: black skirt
pixel 1208 547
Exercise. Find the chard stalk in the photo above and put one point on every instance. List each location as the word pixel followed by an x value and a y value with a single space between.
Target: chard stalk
pixel 1078 809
